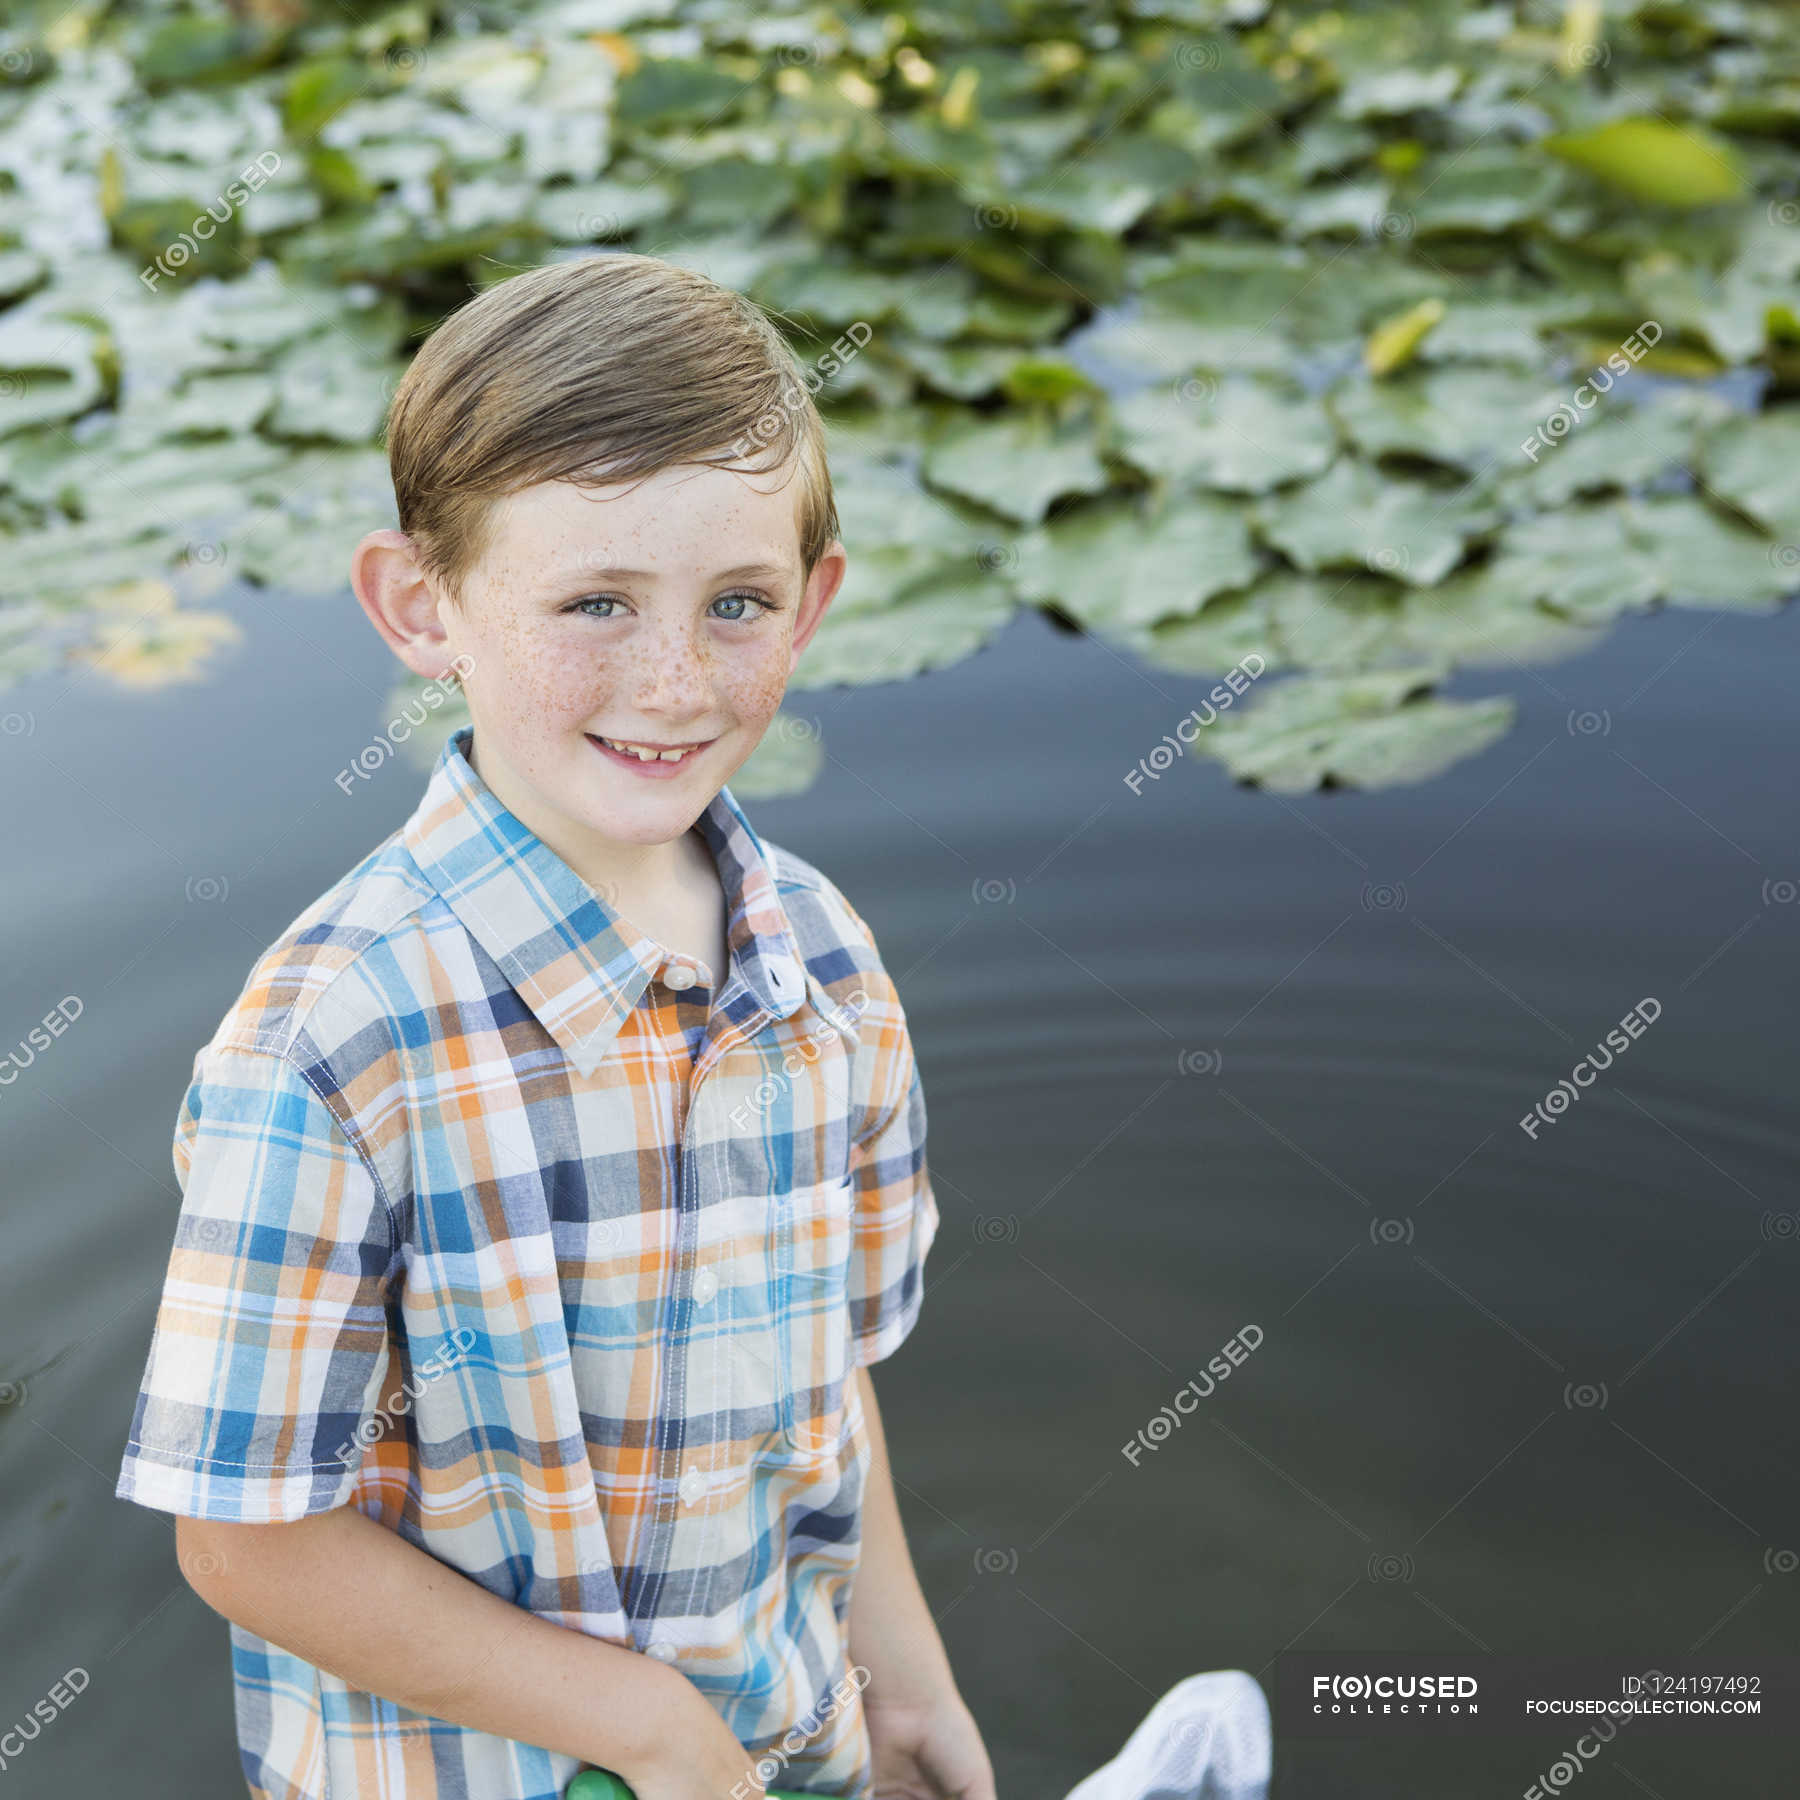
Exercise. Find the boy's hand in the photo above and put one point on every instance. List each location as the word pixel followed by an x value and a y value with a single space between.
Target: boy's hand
pixel 930 1751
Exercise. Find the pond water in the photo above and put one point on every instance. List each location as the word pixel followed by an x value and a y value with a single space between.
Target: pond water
pixel 1196 1059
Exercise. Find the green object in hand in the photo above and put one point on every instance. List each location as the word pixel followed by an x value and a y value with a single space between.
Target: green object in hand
pixel 600 1784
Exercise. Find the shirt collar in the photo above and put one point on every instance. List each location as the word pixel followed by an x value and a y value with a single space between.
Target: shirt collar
pixel 578 965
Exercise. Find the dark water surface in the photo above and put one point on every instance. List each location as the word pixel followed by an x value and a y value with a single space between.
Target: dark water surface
pixel 1195 1060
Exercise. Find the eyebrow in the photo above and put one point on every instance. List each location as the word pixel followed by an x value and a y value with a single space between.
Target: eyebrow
pixel 611 572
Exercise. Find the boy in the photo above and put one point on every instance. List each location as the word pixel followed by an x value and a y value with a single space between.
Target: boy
pixel 559 1172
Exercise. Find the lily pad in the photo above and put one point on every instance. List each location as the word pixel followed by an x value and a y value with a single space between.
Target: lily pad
pixel 1730 309
pixel 1122 564
pixel 1218 637
pixel 1356 517
pixel 937 624
pixel 1620 448
pixel 1594 562
pixel 1335 623
pixel 669 91
pixel 1753 463
pixel 1018 464
pixel 1109 187
pixel 1368 730
pixel 1212 304
pixel 47 372
pixel 1481 189
pixel 788 759
pixel 1463 416
pixel 1240 435
pixel 1386 93
pixel 902 532
pixel 1654 160
pixel 1701 558
pixel 965 371
pixel 1474 621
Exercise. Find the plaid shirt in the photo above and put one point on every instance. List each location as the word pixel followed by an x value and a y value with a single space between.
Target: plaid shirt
pixel 499 1226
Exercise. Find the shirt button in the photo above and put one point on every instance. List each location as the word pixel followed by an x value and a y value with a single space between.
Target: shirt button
pixel 693 1483
pixel 662 1652
pixel 706 1284
pixel 678 976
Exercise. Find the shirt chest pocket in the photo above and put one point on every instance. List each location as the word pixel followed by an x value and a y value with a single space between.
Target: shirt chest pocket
pixel 789 1338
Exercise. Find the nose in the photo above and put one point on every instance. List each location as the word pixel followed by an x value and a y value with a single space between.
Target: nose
pixel 671 673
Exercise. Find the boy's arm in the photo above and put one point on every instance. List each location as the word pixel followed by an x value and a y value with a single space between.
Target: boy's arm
pixel 892 1634
pixel 345 1593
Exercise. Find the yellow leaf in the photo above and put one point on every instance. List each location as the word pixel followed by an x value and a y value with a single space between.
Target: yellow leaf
pixel 1580 46
pixel 112 183
pixel 959 98
pixel 619 48
pixel 1668 165
pixel 1393 342
pixel 148 643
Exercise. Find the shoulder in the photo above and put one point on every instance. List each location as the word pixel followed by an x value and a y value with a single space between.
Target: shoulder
pixel 826 926
pixel 329 993
pixel 842 957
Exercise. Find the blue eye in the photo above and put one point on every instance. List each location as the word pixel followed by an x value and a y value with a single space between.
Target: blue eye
pixel 754 599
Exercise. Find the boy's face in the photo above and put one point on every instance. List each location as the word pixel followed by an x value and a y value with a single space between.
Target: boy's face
pixel 666 612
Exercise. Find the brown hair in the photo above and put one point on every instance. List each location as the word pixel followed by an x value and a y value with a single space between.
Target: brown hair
pixel 603 369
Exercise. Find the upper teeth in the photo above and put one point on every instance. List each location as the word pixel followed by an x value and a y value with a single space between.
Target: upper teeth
pixel 644 753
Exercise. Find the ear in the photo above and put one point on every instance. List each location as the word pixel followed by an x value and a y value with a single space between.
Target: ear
pixel 401 602
pixel 827 577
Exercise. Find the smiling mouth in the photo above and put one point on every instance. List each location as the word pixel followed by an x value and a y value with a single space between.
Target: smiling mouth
pixel 667 753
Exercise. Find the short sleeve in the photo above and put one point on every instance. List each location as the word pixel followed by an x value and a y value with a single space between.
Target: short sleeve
pixel 896 1214
pixel 271 1337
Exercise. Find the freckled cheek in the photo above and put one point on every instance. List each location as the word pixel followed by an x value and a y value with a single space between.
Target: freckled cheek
pixel 545 677
pixel 753 689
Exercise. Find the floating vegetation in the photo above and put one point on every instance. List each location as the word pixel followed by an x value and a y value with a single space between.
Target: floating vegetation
pixel 1380 341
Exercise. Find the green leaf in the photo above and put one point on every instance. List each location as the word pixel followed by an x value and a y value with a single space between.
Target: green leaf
pixel 49 372
pixel 1110 187
pixel 1018 464
pixel 1701 558
pixel 1388 93
pixel 1342 623
pixel 1481 189
pixel 325 390
pixel 938 624
pixel 1474 621
pixel 1620 448
pixel 1650 159
pixel 1240 435
pixel 1213 304
pixel 1120 564
pixel 320 90
pixel 674 90
pixel 1364 730
pixel 964 371
pixel 902 533
pixel 1594 562
pixel 1465 417
pixel 1730 310
pixel 1216 638
pixel 197 48
pixel 787 760
pixel 1754 464
pixel 591 210
pixel 1357 517
pixel 1581 561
